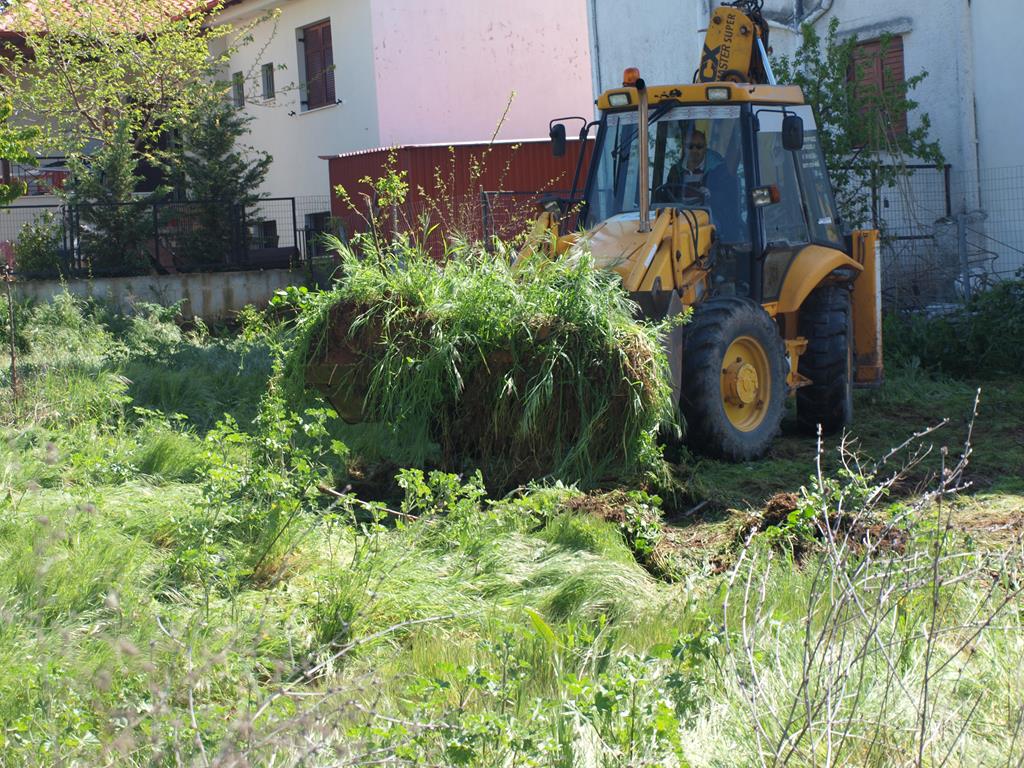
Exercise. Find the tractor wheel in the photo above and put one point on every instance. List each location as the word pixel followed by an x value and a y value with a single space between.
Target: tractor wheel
pixel 734 379
pixel 827 323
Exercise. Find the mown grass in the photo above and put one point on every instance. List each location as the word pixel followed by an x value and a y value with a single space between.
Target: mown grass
pixel 180 587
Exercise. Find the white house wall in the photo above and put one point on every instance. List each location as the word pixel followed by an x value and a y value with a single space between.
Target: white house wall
pixel 445 69
pixel 998 88
pixel 296 138
pixel 658 36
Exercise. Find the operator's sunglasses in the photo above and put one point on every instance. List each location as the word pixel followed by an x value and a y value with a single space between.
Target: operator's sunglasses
pixel 695 146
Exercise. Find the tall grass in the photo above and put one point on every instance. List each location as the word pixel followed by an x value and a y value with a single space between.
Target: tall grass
pixel 537 369
pixel 175 592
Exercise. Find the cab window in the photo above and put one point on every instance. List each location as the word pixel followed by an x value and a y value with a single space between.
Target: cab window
pixel 784 222
pixel 821 208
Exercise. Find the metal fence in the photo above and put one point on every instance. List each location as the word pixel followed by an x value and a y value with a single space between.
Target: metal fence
pixel 947 234
pixel 163 237
pixel 45 177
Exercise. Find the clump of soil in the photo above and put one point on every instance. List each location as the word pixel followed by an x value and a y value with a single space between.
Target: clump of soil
pixel 778 507
pixel 861 532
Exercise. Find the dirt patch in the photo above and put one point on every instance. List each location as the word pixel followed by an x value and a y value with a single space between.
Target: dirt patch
pixel 374 482
pixel 861 533
pixel 778 508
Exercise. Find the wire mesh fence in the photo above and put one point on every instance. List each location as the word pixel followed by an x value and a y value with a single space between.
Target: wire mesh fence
pixel 913 214
pixel 509 214
pixel 140 237
pixel 947 234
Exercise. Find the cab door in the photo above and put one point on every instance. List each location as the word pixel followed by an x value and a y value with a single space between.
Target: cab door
pixel 784 229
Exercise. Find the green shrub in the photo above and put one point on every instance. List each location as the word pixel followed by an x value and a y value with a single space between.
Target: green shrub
pixel 37 252
pixel 983 337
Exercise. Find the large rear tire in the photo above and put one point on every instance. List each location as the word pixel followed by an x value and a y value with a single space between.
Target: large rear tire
pixel 734 379
pixel 826 321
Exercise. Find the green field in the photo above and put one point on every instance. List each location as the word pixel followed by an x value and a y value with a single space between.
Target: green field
pixel 195 570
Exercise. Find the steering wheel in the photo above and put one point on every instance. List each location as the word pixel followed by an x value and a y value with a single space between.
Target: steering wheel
pixel 678 192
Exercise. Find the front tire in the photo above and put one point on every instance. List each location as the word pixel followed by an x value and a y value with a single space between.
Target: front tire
pixel 826 321
pixel 734 379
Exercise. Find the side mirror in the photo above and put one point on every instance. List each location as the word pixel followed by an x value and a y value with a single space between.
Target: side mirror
pixel 792 132
pixel 557 134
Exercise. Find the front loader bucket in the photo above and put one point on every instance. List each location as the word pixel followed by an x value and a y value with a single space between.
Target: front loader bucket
pixel 657 306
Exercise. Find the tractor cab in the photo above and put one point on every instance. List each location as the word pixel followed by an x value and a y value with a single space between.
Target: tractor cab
pixel 755 168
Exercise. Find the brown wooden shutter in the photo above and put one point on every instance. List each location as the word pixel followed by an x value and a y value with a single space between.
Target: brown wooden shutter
pixel 892 78
pixel 316 80
pixel 327 73
pixel 878 69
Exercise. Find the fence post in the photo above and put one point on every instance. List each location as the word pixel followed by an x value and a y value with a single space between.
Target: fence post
pixel 485 214
pixel 156 237
pixel 76 238
pixel 946 178
pixel 874 199
pixel 295 232
pixel 65 235
pixel 961 244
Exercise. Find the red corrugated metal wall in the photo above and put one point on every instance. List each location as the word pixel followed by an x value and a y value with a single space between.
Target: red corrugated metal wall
pixel 446 182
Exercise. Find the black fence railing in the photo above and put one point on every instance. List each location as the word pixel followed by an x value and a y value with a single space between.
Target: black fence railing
pixel 165 237
pixel 46 176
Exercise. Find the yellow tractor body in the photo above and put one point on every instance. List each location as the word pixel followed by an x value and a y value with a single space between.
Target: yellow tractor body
pixel 715 195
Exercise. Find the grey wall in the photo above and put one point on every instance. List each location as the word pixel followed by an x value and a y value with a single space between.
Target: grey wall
pixel 211 296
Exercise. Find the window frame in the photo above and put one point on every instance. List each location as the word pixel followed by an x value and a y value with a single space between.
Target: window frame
pixel 238 89
pixel 267 80
pixel 879 65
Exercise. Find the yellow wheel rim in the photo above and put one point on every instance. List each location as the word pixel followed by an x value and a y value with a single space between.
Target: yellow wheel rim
pixel 746 383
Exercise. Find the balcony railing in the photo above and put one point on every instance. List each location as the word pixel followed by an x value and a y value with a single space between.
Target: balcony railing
pixel 48 175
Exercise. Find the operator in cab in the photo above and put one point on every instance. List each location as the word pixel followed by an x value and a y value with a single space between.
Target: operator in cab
pixel 701 178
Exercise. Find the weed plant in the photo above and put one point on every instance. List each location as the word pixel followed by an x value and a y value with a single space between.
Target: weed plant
pixel 532 370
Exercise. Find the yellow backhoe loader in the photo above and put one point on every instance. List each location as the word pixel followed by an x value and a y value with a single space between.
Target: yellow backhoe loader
pixel 714 195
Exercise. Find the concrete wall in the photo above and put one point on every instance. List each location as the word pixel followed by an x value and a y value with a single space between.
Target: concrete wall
pixel 445 69
pixel 211 296
pixel 296 138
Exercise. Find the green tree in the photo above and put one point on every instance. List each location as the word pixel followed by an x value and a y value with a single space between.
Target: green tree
pixel 86 68
pixel 855 123
pixel 210 167
pixel 115 225
pixel 15 146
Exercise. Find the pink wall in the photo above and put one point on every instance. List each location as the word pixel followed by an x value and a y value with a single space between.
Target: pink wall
pixel 445 68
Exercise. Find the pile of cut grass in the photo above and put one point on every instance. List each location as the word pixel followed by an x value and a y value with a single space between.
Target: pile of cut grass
pixel 534 370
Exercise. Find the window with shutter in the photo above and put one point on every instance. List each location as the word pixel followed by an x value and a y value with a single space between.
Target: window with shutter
pixel 877 70
pixel 319 61
pixel 238 90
